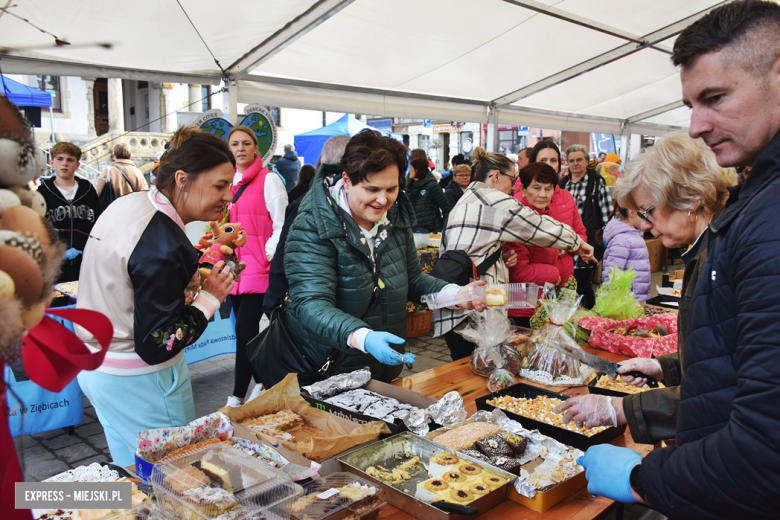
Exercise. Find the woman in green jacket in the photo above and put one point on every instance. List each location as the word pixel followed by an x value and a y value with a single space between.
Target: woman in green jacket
pixel 427 198
pixel 352 264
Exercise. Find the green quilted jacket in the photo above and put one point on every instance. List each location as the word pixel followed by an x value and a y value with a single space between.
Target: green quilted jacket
pixel 331 274
pixel 427 198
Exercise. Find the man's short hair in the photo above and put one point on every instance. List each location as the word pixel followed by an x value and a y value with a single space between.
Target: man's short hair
pixel 333 150
pixel 602 153
pixel 577 148
pixel 526 151
pixel 66 148
pixel 751 27
pixel 288 148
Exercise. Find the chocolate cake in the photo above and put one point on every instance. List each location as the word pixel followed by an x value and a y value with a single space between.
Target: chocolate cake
pixel 507 464
pixel 371 404
pixel 495 446
pixel 516 442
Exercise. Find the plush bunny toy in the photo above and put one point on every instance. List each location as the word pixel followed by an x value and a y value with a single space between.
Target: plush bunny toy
pixel 221 245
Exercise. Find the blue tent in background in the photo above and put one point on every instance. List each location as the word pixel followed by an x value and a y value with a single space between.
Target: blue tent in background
pixel 309 145
pixel 23 96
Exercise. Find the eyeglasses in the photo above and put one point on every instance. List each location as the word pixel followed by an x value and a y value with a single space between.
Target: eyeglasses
pixel 645 215
pixel 513 177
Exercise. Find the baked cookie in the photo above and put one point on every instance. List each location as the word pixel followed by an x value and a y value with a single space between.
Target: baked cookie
pixel 453 476
pixel 470 469
pixel 493 481
pixel 445 459
pixel 478 489
pixel 461 495
pixel 436 485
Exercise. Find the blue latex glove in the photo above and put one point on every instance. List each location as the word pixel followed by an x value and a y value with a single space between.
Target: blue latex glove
pixel 71 253
pixel 607 469
pixel 378 345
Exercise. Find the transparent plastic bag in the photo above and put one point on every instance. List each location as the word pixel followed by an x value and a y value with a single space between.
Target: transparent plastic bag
pixel 489 330
pixel 500 379
pixel 614 299
pixel 545 364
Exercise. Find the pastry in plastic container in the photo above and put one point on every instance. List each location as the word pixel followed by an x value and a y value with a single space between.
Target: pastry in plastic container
pixel 219 482
pixel 338 496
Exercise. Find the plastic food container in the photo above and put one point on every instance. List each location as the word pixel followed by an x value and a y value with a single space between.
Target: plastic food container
pixel 443 299
pixel 335 497
pixel 216 480
pixel 512 295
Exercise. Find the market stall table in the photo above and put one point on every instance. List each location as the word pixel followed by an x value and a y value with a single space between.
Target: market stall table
pixel 457 375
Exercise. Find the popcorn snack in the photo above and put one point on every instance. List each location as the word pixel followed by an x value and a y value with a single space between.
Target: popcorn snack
pixel 618 385
pixel 541 409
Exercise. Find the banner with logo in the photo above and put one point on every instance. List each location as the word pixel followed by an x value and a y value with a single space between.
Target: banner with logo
pixel 256 117
pixel 31 409
pixel 218 338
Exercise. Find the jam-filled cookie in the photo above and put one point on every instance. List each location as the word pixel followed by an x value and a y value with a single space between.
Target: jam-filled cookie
pixel 461 495
pixel 436 484
pixel 493 481
pixel 478 489
pixel 446 459
pixel 470 469
pixel 453 476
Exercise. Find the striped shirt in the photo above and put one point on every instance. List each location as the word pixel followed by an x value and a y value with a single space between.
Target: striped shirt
pixel 481 222
pixel 578 191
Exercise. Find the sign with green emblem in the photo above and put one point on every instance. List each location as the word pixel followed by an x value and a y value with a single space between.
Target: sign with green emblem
pixel 256 117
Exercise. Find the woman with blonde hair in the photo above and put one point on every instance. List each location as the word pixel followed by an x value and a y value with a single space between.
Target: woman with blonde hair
pixel 259 203
pixel 676 188
pixel 485 218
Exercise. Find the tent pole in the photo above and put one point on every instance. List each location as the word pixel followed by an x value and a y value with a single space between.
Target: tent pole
pixel 492 129
pixel 625 143
pixel 51 124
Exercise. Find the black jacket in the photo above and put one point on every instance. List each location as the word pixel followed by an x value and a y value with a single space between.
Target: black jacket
pixel 72 219
pixel 453 192
pixel 427 199
pixel 726 462
pixel 298 192
pixel 289 166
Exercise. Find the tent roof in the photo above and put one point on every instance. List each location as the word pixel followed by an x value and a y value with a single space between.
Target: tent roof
pixel 23 96
pixel 592 65
pixel 345 125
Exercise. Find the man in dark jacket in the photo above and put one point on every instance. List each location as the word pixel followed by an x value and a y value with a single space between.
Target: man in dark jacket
pixel 725 462
pixel 289 166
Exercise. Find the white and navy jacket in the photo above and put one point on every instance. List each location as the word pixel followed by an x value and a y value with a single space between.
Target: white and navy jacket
pixel 136 266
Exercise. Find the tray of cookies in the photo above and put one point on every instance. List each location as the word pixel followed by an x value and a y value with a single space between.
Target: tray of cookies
pixel 338 496
pixel 427 480
pixel 219 480
pixel 534 408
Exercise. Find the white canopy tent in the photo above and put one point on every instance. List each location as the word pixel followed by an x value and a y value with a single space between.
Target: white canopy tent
pixel 582 65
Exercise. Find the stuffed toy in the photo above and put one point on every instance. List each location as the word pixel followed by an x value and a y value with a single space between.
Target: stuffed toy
pixel 221 245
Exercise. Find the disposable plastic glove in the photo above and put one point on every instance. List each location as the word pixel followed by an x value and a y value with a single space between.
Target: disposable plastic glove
pixel 590 410
pixel 378 345
pixel 608 469
pixel 649 367
pixel 71 253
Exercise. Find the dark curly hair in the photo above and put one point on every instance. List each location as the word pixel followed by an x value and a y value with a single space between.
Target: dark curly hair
pixel 369 152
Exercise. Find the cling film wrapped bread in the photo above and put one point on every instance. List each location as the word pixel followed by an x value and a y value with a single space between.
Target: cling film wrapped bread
pixel 490 331
pixel 545 364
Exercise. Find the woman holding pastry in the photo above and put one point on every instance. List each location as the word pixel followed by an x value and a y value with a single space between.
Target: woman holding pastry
pixel 675 188
pixel 137 272
pixel 486 218
pixel 352 264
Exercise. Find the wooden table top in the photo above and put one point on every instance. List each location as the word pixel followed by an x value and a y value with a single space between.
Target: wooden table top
pixel 457 375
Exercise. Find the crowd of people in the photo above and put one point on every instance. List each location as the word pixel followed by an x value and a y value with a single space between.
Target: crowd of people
pixel 330 252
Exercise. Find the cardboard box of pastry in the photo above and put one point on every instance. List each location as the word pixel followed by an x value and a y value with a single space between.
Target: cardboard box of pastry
pixel 489 444
pixel 394 425
pixel 280 417
pixel 213 429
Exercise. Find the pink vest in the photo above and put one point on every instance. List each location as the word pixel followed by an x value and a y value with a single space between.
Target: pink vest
pixel 252 213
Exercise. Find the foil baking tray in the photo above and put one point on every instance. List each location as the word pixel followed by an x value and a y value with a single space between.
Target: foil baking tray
pixel 398 449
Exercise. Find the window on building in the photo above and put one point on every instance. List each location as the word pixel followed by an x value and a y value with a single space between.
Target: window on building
pixel 205 93
pixel 275 114
pixel 50 84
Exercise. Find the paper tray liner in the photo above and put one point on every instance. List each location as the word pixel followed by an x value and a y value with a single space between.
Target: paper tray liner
pixel 287 395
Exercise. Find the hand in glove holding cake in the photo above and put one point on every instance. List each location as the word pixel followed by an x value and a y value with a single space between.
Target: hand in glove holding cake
pixel 593 410
pixel 608 470
pixel 647 366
